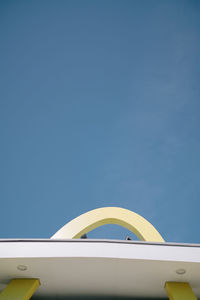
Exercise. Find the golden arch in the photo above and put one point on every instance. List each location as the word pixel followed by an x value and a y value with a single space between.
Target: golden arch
pixel 109 215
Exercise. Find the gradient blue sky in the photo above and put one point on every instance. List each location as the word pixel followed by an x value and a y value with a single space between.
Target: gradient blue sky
pixel 99 106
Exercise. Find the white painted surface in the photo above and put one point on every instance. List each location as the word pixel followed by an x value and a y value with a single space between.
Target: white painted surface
pixel 94 267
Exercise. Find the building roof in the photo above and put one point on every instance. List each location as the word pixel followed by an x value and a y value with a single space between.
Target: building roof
pixel 100 267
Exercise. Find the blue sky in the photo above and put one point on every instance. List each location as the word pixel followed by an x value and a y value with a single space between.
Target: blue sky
pixel 99 106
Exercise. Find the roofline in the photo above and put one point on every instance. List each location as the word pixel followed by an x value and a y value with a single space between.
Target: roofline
pixel 35 240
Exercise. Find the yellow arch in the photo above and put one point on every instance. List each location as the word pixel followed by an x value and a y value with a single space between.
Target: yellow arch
pixel 109 215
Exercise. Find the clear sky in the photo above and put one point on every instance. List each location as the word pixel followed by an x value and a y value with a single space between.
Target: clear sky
pixel 99 106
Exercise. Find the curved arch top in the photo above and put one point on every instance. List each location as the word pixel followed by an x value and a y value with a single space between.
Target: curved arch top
pixel 109 215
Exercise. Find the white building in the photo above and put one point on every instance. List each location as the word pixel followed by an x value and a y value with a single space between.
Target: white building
pixel 63 267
